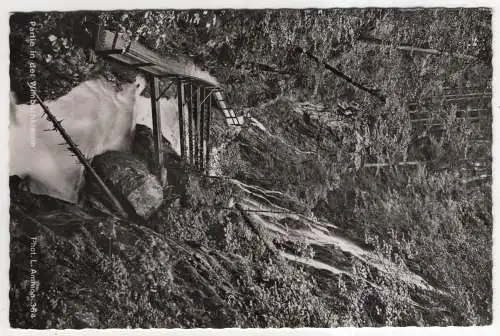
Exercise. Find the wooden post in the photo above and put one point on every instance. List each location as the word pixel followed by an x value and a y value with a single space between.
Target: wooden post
pixel 203 105
pixel 186 103
pixel 190 125
pixel 207 151
pixel 197 128
pixel 180 105
pixel 157 134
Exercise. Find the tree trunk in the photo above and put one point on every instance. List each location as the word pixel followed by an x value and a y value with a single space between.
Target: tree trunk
pixel 382 164
pixel 413 49
pixel 342 75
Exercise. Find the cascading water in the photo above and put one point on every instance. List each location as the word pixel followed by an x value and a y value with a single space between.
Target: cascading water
pixel 335 252
pixel 320 235
pixel 96 116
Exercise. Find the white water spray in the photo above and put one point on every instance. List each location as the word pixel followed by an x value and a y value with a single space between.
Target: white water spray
pixel 96 116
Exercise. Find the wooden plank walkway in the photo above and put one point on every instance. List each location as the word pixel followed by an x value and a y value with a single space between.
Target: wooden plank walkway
pixel 196 92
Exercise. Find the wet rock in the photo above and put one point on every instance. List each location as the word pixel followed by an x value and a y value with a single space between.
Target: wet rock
pixel 338 207
pixel 129 179
pixel 143 147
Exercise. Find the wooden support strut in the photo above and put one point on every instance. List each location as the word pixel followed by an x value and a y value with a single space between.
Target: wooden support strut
pixel 157 134
pixel 190 124
pixel 209 112
pixel 195 127
pixel 207 94
pixel 180 106
pixel 164 90
pixel 194 106
pixel 198 129
pixel 201 156
pixel 185 121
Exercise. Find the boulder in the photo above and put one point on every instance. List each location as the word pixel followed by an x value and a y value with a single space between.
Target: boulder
pixel 143 148
pixel 130 181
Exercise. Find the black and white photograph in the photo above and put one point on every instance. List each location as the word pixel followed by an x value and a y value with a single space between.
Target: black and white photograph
pixel 250 168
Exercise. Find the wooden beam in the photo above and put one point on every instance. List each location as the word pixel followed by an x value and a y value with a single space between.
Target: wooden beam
pixel 208 91
pixel 180 106
pixel 119 46
pixel 209 112
pixel 202 129
pixel 164 90
pixel 190 124
pixel 154 83
pixel 141 65
pixel 197 128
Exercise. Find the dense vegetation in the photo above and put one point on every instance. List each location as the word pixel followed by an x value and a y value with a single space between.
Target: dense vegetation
pixel 323 137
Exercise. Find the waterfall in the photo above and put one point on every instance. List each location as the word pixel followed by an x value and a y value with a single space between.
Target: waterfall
pixel 98 118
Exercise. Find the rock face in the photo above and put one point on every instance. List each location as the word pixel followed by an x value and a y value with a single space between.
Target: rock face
pixel 95 271
pixel 80 269
pixel 129 179
pixel 143 147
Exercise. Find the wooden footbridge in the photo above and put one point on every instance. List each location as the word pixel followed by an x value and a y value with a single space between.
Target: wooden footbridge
pixel 197 94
